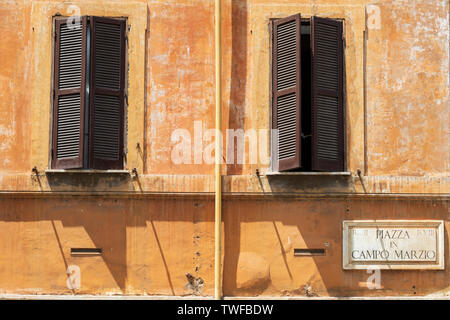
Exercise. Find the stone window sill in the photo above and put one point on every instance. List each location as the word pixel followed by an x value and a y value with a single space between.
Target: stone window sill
pixel 344 173
pixel 84 171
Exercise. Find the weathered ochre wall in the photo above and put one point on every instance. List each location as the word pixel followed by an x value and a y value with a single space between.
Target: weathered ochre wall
pixel 150 243
pixel 397 101
pixel 397 85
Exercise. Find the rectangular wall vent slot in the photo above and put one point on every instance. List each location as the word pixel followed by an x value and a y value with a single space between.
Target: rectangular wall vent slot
pixel 309 252
pixel 85 251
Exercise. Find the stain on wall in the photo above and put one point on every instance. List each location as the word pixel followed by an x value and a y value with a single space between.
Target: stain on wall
pixel 158 240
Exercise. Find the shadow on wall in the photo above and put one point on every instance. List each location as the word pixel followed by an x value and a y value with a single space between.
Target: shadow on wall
pixel 90 182
pixel 162 236
pixel 103 221
pixel 260 238
pixel 311 184
pixel 166 246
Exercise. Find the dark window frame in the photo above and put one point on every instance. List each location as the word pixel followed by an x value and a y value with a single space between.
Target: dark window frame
pixel 317 162
pixel 85 159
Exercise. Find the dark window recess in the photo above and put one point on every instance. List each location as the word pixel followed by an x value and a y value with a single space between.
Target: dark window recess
pixel 89 84
pixel 307 94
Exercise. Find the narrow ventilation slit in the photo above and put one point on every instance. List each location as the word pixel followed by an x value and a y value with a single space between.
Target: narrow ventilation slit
pixel 309 252
pixel 85 251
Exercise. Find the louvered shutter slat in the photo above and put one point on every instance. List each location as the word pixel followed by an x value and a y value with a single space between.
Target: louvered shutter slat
pixel 327 95
pixel 286 92
pixel 69 103
pixel 107 97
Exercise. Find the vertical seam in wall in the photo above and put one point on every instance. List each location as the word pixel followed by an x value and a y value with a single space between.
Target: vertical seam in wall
pixel 366 165
pixel 146 76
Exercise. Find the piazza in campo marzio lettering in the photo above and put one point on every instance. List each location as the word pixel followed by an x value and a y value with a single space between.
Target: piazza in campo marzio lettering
pixel 391 244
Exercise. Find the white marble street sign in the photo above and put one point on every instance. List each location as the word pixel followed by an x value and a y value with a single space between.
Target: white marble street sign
pixel 393 244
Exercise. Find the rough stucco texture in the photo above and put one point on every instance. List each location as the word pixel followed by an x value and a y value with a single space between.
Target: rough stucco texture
pixel 407 85
pixel 405 76
pixel 149 245
pixel 397 95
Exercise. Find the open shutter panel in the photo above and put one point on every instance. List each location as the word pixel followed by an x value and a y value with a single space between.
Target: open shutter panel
pixel 107 93
pixel 286 92
pixel 69 95
pixel 327 98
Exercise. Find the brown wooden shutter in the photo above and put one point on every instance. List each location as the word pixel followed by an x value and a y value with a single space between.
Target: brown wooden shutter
pixel 69 95
pixel 107 93
pixel 327 95
pixel 286 101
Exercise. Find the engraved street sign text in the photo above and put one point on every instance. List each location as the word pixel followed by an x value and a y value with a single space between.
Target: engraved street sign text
pixel 393 244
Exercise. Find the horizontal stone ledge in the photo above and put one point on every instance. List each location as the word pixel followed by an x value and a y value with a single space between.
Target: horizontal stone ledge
pixel 229 195
pixel 12 296
pixel 86 171
pixel 343 173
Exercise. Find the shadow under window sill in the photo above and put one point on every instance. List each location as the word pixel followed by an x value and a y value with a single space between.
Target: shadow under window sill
pixel 76 180
pixel 308 173
pixel 327 182
pixel 83 171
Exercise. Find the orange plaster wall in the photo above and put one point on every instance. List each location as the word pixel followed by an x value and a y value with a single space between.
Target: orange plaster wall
pixel 150 244
pixel 406 81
